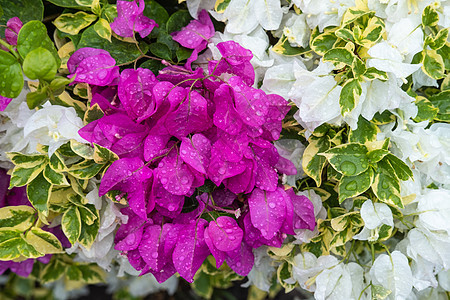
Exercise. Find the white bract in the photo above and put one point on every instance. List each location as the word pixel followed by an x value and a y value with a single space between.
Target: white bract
pixel 374 215
pixel 393 273
pixel 54 126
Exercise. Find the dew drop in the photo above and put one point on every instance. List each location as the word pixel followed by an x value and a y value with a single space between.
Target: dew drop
pixel 351 186
pixel 155 254
pixel 163 180
pixel 348 168
pixel 272 205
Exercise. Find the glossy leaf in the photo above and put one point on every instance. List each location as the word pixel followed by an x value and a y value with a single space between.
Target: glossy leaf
pixel 11 78
pixel 19 217
pixel 348 159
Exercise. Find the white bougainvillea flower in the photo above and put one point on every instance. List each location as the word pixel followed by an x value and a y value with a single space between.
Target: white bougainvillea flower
pixel 245 15
pixel 316 94
pixel 407 37
pixel 323 13
pixel 374 215
pixel 262 271
pixel 53 126
pixel 386 57
pixel 295 29
pixel 340 282
pixel 434 210
pixel 377 96
pixel 307 266
pixel 432 247
pixel 393 273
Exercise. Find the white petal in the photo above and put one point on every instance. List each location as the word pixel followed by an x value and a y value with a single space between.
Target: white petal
pixel 393 275
pixel 387 58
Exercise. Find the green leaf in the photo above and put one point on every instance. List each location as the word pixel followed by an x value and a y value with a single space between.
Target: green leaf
pixel 202 285
pixel 122 52
pixel 221 5
pixel 372 33
pixel 402 171
pixel 312 163
pixel 445 85
pixel 91 274
pixel 348 159
pixel 26 161
pixel 373 73
pixel 283 47
pixel 349 97
pixel 386 187
pixel 358 67
pixel 85 170
pixel 93 113
pixel 11 78
pixel 323 42
pixel 366 131
pixel 26 10
pixel 441 102
pixel 430 17
pixel 22 176
pixel 40 64
pixel 339 55
pixel 384 232
pixel 13 246
pixel 67 4
pixel 438 41
pixel 178 20
pixel 153 65
pixel 377 155
pixel 89 232
pixel 73 273
pixel 156 12
pixel 161 50
pixel 43 241
pixel 109 12
pixel 19 217
pixel 34 35
pixel 83 150
pixel 71 224
pixel 54 177
pixel 183 53
pixel 103 29
pixel 53 270
pixel 345 34
pixel 73 23
pixel 352 14
pixel 103 155
pixel 352 186
pixel 426 110
pixel 38 192
pixel 59 83
pixel 433 64
pixel 37 98
pixel 444 51
pixel 57 162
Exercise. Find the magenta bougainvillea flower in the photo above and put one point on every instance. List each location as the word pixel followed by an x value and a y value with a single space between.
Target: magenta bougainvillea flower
pixel 130 19
pixel 190 146
pixel 93 66
pixel 4 102
pixel 197 33
pixel 13 27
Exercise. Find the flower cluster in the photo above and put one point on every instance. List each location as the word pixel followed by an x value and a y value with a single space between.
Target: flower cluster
pixel 192 146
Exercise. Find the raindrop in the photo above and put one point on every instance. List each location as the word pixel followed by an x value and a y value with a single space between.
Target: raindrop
pixel 348 168
pixel 155 254
pixel 163 180
pixel 272 205
pixel 351 186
